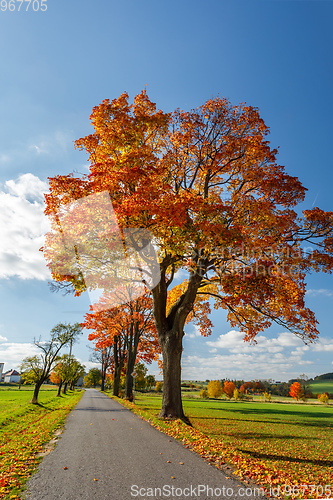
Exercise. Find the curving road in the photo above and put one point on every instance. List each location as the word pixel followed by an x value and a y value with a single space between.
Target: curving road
pixel 107 452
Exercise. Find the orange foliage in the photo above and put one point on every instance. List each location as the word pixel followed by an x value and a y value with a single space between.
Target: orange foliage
pixel 207 185
pixel 125 325
pixel 296 391
pixel 55 378
pixel 228 388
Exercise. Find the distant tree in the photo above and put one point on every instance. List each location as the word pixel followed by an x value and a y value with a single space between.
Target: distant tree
pixel 55 378
pixel 104 356
pixel 325 376
pixel 259 387
pixel 267 396
pixel 150 381
pixel 94 377
pixel 296 391
pixel 37 369
pixel 203 394
pixel 323 398
pixel 141 371
pixel 214 389
pixel 70 370
pixel 248 386
pixel 228 388
pixel 129 329
pixel 304 381
pixel 159 386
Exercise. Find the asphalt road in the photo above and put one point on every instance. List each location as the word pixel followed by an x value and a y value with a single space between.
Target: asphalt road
pixel 107 452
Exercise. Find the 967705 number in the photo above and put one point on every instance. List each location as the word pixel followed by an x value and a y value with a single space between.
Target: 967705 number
pixel 23 5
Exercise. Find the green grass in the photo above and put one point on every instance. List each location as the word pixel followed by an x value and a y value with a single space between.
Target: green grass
pixel 24 430
pixel 269 443
pixel 322 386
pixel 14 387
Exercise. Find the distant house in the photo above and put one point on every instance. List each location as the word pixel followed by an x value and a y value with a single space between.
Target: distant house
pixel 11 376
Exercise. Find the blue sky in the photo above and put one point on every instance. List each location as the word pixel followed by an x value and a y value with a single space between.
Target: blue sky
pixel 56 65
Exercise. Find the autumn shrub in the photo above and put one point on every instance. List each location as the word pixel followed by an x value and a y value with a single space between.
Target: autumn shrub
pixel 267 396
pixel 228 388
pixel 203 394
pixel 323 398
pixel 158 386
pixel 236 394
pixel 214 389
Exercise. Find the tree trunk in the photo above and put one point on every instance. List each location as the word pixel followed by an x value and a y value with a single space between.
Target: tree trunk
pixel 170 330
pixel 59 388
pixel 116 379
pixel 65 388
pixel 129 378
pixel 172 346
pixel 103 383
pixel 36 391
pixel 129 370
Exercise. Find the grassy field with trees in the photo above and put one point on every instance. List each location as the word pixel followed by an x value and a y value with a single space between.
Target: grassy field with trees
pixel 25 429
pixel 268 443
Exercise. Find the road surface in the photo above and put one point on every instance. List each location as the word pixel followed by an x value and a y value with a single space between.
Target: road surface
pixel 107 452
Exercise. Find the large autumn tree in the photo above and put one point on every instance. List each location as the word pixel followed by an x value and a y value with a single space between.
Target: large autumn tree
pixel 207 186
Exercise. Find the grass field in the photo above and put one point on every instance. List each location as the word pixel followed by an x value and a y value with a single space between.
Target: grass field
pixel 322 386
pixel 268 443
pixel 24 429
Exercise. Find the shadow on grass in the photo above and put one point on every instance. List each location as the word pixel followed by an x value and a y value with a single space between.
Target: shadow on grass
pixel 263 436
pixel 272 411
pixel 303 415
pixel 269 456
pixel 319 425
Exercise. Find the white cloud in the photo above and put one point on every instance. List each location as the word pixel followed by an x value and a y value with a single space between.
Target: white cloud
pixel 3 339
pixel 181 274
pixel 13 353
pixel 22 227
pixel 250 366
pixel 27 186
pixel 233 341
pixel 323 344
pixel 320 291
pixel 279 358
pixel 195 333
